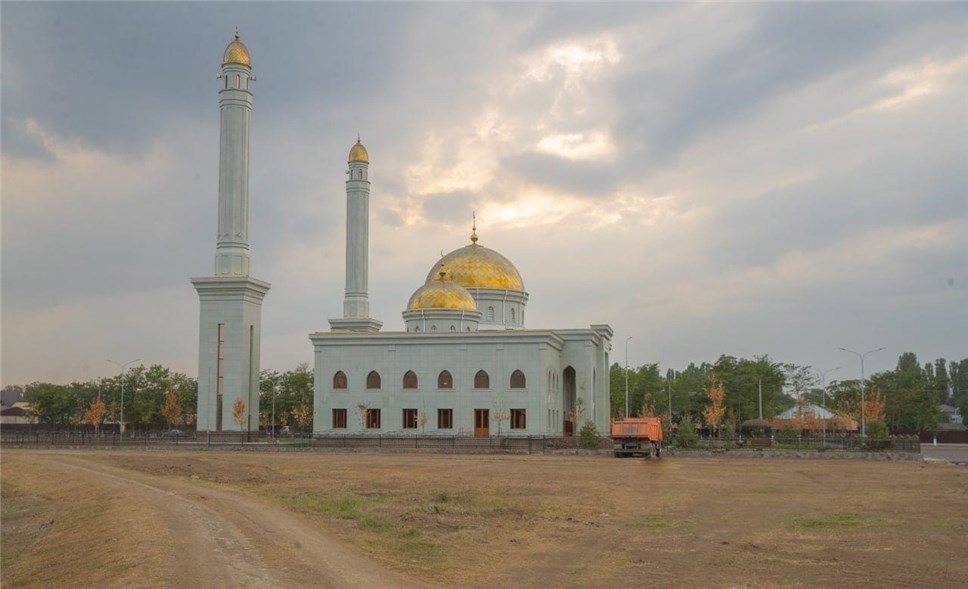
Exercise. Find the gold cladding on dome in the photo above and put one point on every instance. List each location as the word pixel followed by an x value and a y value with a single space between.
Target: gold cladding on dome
pixel 358 153
pixel 441 293
pixel 236 52
pixel 475 266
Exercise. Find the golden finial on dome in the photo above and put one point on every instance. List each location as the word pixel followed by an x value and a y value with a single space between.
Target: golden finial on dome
pixel 474 227
pixel 358 152
pixel 236 52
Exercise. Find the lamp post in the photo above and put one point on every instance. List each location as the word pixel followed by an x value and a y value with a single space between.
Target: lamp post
pixel 273 424
pixel 863 423
pixel 823 384
pixel 627 375
pixel 123 366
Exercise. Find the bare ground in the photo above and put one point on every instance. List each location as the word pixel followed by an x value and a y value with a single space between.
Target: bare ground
pixel 240 519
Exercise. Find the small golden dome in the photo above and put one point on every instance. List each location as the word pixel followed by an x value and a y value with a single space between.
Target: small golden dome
pixel 477 266
pixel 358 153
pixel 236 52
pixel 441 293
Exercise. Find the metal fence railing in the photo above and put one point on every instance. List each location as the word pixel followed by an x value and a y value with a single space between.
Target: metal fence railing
pixel 47 438
pixel 808 443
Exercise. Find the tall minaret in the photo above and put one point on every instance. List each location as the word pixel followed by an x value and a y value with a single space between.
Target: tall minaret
pixel 356 304
pixel 230 324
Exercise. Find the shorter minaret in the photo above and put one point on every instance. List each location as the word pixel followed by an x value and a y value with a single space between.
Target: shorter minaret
pixel 356 303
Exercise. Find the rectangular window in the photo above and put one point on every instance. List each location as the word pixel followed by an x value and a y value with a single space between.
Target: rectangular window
pixel 445 419
pixel 339 418
pixel 518 420
pixel 409 419
pixel 373 419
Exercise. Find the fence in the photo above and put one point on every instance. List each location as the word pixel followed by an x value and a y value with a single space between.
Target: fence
pixel 813 442
pixel 42 438
pixel 38 437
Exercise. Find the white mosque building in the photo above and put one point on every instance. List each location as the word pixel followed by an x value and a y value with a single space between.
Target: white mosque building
pixel 465 363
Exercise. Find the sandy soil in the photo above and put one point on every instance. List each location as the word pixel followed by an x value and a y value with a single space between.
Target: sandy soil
pixel 220 519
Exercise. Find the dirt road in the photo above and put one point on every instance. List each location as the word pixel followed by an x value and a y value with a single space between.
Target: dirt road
pixel 202 536
pixel 131 518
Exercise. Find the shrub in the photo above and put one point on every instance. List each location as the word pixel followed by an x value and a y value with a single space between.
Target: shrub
pixel 686 436
pixel 787 435
pixel 878 436
pixel 588 436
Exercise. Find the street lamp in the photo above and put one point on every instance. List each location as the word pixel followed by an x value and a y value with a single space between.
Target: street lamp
pixel 863 423
pixel 273 424
pixel 123 366
pixel 823 384
pixel 627 375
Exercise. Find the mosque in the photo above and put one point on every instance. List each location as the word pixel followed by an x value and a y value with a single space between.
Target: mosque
pixel 465 363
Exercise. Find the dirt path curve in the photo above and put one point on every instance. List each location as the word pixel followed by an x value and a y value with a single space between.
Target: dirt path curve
pixel 227 539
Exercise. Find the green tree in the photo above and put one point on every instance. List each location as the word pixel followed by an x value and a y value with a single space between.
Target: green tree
pixel 686 435
pixel 588 436
pixel 294 389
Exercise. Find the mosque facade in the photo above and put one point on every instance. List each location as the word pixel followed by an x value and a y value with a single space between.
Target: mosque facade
pixel 465 363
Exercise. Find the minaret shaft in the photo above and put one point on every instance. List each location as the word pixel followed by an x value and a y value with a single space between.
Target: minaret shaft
pixel 235 108
pixel 356 302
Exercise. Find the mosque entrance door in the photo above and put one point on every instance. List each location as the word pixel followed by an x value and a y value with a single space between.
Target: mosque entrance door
pixel 482 423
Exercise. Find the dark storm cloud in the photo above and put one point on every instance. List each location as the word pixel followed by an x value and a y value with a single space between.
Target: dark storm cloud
pixel 150 61
pixel 902 190
pixel 791 45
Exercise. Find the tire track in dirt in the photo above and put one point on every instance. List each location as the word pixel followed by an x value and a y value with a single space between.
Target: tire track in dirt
pixel 226 539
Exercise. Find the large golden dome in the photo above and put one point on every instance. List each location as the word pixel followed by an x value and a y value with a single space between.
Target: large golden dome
pixel 358 153
pixel 441 293
pixel 477 266
pixel 236 52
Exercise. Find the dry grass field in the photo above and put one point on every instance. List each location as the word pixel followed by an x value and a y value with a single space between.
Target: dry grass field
pixel 166 518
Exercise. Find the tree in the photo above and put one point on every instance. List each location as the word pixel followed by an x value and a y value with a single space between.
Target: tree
pixel 172 409
pixel 423 419
pixel 303 416
pixel 238 412
pixel 363 410
pixel 963 409
pixel 686 435
pixel 589 438
pixel 500 415
pixel 713 413
pixel 95 413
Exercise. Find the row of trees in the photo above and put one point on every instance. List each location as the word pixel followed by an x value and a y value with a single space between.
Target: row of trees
pixel 154 397
pixel 733 390
pixel 157 398
pixel 727 391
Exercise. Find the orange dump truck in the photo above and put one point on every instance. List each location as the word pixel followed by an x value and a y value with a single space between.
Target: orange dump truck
pixel 637 435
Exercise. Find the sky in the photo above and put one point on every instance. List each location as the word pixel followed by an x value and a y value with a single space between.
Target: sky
pixel 743 179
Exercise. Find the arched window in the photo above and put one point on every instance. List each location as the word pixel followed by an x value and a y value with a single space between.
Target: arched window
pixel 410 380
pixel 482 380
pixel 445 380
pixel 433 328
pixel 373 380
pixel 417 328
pixel 517 380
pixel 453 328
pixel 339 380
pixel 490 314
pixel 238 81
pixel 512 315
